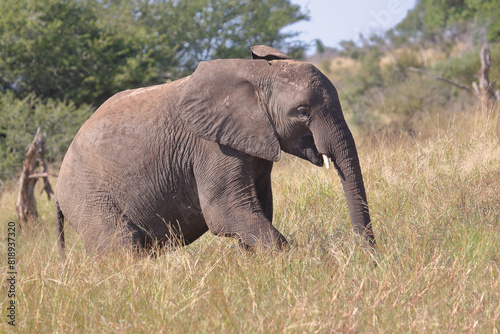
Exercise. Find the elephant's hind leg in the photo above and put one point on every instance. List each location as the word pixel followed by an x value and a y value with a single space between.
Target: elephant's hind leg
pixel 100 240
pixel 105 228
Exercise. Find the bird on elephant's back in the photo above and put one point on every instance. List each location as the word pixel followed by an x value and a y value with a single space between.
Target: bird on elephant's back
pixel 164 164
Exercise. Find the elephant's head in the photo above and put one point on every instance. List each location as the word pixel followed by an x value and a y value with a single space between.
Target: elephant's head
pixel 272 103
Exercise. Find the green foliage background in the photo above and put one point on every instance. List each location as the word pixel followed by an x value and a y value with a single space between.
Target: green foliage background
pixel 20 120
pixel 434 21
pixel 87 50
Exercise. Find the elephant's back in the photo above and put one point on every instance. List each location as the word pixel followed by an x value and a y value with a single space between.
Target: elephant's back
pixel 125 126
pixel 128 153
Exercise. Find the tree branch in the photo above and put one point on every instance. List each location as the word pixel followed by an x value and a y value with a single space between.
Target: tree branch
pixel 39 175
pixel 423 70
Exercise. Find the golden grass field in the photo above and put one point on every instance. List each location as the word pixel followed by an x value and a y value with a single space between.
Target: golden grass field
pixel 434 197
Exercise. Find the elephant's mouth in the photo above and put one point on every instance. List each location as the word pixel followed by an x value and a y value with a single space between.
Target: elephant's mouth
pixel 304 148
pixel 312 154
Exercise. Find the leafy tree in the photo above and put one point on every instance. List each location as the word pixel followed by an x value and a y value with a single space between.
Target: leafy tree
pixel 57 49
pixel 431 20
pixel 320 47
pixel 350 49
pixel 411 29
pixel 86 50
pixel 488 13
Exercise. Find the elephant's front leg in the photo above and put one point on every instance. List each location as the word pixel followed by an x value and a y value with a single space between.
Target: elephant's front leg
pixel 229 199
pixel 262 177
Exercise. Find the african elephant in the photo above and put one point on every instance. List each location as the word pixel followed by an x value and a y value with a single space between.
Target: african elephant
pixel 164 164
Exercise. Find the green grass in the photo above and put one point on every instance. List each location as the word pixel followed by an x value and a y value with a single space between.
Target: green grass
pixel 435 203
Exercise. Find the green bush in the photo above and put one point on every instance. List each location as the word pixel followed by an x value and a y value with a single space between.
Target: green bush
pixel 59 121
pixel 495 64
pixel 399 71
pixel 461 69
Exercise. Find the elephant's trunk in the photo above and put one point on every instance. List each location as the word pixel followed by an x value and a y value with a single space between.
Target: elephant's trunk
pixel 338 144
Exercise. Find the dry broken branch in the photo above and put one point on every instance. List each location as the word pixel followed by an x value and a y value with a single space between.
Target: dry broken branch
pixel 25 204
pixel 39 175
pixel 423 70
pixel 485 91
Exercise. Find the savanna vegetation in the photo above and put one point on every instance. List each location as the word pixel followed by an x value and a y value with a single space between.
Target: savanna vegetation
pixel 430 154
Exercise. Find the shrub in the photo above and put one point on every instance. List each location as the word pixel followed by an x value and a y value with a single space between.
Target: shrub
pixel 399 70
pixel 59 121
pixel 461 69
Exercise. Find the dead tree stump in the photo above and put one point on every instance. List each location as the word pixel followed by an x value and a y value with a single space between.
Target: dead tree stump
pixel 484 91
pixel 26 204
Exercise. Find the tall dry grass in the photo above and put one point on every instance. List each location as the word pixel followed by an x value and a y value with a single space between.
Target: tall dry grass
pixel 434 197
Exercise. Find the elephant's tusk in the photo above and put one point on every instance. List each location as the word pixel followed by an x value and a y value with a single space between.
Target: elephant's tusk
pixel 325 160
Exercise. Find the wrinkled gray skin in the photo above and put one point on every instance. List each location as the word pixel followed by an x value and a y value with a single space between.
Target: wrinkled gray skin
pixel 164 164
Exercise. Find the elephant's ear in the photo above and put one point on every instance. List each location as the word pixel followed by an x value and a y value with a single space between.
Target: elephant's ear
pixel 267 53
pixel 219 104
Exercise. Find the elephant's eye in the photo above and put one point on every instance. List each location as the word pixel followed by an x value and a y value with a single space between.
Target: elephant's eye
pixel 303 113
pixel 300 114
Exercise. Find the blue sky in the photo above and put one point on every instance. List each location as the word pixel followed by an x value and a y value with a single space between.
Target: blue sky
pixel 333 21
